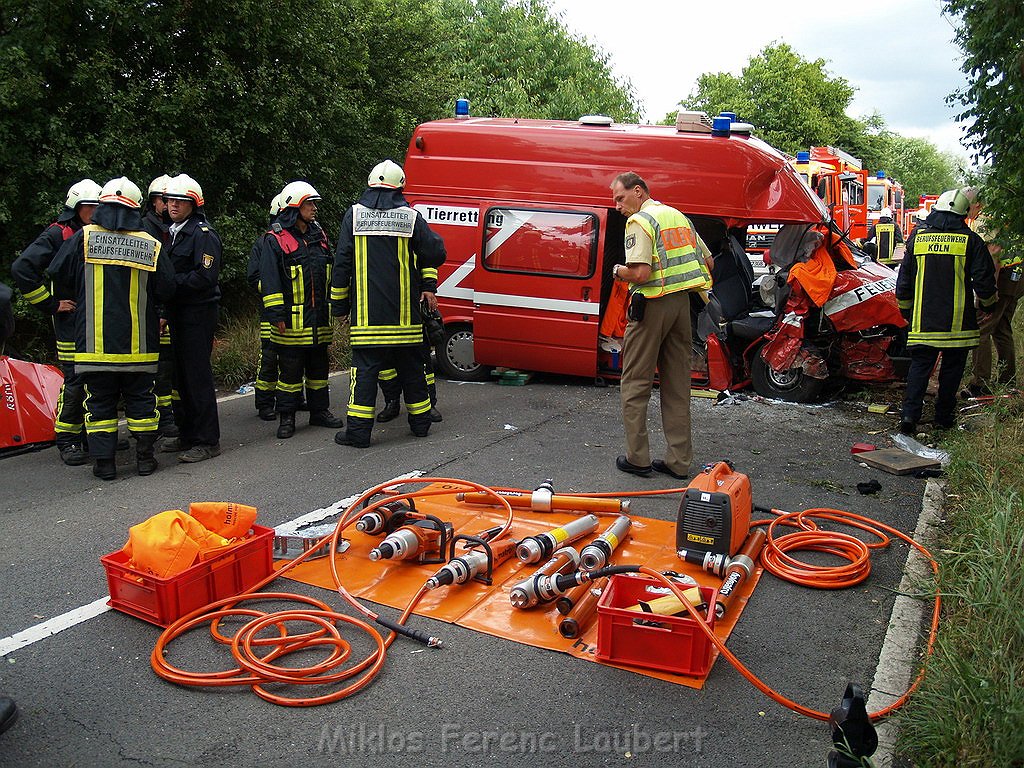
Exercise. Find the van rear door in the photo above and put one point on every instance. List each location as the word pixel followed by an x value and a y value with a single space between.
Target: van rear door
pixel 537 288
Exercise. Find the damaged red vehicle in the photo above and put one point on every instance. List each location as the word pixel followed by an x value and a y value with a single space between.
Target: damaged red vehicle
pixel 826 312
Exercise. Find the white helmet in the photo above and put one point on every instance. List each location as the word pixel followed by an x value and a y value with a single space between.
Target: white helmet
pixel 958 201
pixel 295 193
pixel 85 191
pixel 922 214
pixel 184 187
pixel 387 174
pixel 275 205
pixel 121 191
pixel 158 185
pixel 887 211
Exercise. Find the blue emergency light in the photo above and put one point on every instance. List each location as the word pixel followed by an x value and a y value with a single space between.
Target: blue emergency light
pixel 803 157
pixel 880 175
pixel 730 115
pixel 720 126
pixel 461 108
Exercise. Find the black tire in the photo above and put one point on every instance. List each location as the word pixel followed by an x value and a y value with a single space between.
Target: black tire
pixel 455 355
pixel 793 386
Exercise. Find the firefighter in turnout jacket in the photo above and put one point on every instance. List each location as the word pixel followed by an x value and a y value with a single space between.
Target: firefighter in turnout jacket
pixel 383 247
pixel 29 273
pixel 886 235
pixel 266 374
pixel 195 251
pixel 946 265
pixel 294 273
pixel 118 274
pixel 155 222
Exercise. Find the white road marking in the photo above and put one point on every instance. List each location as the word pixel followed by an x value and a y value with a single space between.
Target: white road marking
pixel 53 626
pixel 897 659
pixel 98 607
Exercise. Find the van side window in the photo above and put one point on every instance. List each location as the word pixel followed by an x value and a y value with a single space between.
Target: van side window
pixel 557 243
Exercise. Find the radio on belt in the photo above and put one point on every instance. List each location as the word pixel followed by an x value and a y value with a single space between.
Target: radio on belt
pixel 714 514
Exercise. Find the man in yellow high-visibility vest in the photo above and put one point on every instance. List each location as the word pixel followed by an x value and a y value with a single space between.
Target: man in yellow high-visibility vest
pixel 665 261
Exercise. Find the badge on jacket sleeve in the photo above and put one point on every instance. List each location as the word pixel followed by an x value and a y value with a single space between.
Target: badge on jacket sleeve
pixel 630 241
pixel 207 261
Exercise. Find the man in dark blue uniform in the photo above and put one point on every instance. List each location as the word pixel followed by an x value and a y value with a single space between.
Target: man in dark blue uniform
pixel 195 250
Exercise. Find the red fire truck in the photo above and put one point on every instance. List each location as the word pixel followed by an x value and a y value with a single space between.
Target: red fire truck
pixel 524 207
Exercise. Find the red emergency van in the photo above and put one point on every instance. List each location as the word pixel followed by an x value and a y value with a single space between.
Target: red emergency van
pixel 525 210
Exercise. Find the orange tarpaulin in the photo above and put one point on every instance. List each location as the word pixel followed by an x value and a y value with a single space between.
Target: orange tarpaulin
pixel 487 608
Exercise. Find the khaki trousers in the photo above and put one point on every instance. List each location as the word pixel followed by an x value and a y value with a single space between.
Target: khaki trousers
pixel 661 343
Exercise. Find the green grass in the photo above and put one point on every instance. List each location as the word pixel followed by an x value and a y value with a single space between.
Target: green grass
pixel 236 350
pixel 969 710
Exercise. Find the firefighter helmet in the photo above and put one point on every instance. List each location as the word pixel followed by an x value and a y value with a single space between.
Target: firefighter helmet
pixel 85 191
pixel 275 205
pixel 887 212
pixel 388 174
pixel 121 191
pixel 184 187
pixel 295 193
pixel 922 214
pixel 158 185
pixel 956 201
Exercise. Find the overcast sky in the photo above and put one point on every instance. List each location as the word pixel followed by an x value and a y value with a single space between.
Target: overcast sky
pixel 898 54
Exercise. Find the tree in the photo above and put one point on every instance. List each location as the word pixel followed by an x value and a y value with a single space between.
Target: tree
pixel 793 103
pixel 989 34
pixel 918 165
pixel 515 59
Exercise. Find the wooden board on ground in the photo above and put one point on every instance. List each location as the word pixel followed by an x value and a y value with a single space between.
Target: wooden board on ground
pixel 896 462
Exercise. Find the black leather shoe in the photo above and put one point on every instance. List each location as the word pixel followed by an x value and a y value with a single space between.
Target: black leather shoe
pixel 626 466
pixel 908 427
pixel 287 426
pixel 660 466
pixel 267 414
pixel 342 438
pixel 435 415
pixel 325 419
pixel 389 411
pixel 105 469
pixel 8 713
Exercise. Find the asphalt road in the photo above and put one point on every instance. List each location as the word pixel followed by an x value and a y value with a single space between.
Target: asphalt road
pixel 89 698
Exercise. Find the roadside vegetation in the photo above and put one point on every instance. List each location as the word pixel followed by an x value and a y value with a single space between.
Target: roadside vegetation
pixel 969 710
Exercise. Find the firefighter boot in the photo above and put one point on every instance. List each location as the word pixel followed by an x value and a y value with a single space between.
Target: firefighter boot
pixel 167 427
pixel 144 454
pixel 389 411
pixel 325 418
pixel 105 469
pixel 287 426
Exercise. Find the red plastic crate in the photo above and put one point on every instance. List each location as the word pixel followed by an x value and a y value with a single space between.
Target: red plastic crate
pixel 163 601
pixel 667 643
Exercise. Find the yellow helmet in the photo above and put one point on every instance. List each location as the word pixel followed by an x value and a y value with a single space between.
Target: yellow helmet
pixel 85 191
pixel 295 193
pixel 121 191
pixel 184 187
pixel 158 185
pixel 388 174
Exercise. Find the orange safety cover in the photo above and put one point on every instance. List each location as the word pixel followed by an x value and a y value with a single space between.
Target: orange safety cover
pixel 225 518
pixel 487 608
pixel 816 275
pixel 170 542
pixel 614 322
pixel 28 402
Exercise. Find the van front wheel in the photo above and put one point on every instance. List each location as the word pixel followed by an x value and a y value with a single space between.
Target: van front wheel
pixel 793 385
pixel 455 356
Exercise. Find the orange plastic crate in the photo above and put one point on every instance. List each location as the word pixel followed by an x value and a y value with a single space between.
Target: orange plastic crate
pixel 667 643
pixel 163 601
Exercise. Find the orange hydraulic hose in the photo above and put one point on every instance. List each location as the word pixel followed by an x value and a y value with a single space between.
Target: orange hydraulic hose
pixel 257 671
pixel 854 574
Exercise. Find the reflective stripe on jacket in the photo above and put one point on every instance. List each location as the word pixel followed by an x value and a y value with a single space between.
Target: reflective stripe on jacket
pixel 677 264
